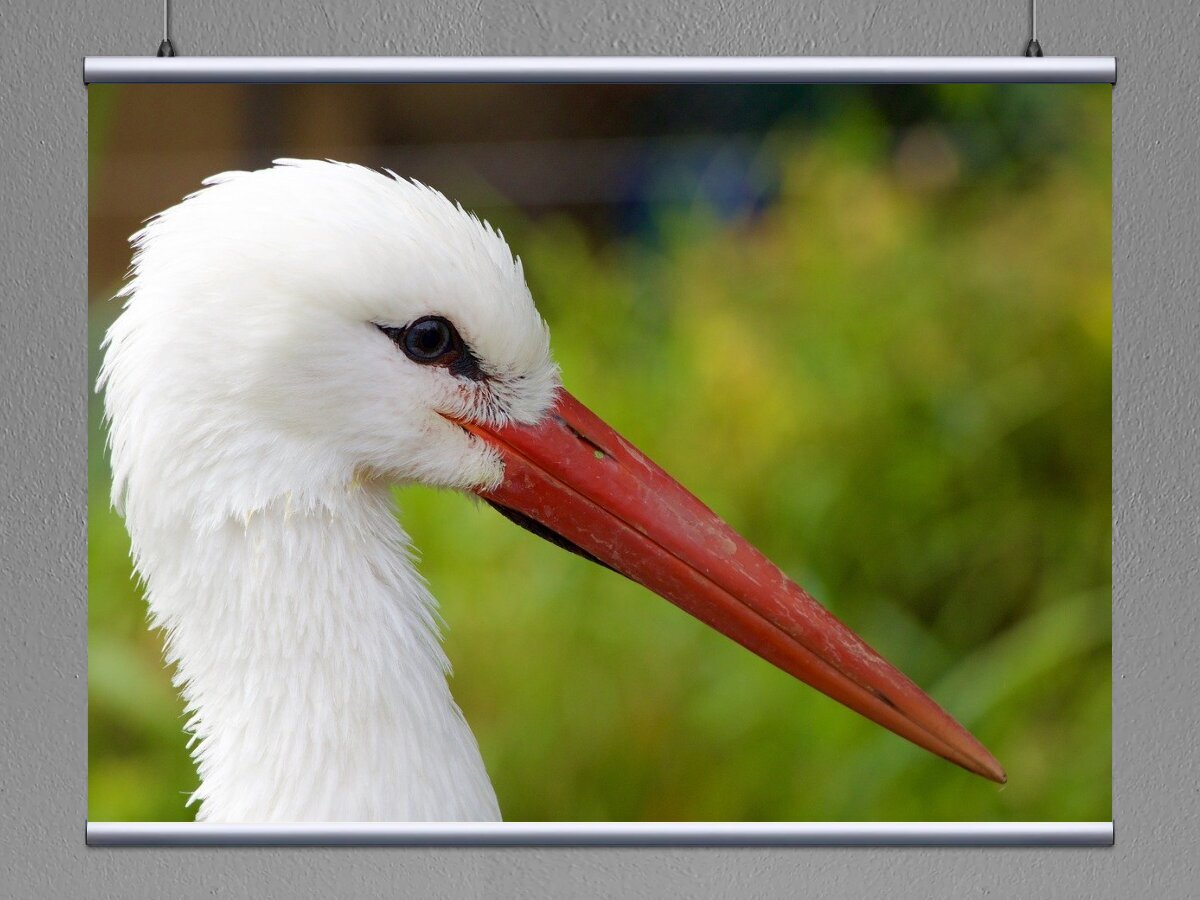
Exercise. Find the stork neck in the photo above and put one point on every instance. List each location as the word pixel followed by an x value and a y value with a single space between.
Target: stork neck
pixel 307 650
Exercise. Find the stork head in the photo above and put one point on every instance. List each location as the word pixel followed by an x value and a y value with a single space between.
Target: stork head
pixel 330 319
pixel 293 330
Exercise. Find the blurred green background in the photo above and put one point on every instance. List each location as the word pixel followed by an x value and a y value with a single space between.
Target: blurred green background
pixel 870 327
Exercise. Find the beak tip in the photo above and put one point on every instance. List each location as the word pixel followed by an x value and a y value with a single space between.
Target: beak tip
pixel 993 771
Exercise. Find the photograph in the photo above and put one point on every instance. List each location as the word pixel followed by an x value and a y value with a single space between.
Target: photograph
pixel 648 453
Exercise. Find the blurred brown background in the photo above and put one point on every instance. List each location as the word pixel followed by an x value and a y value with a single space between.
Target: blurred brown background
pixel 540 147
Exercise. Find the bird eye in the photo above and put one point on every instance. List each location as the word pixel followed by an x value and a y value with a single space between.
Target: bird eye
pixel 429 339
pixel 433 341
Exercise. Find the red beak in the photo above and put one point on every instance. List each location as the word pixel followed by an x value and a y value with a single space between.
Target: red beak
pixel 574 480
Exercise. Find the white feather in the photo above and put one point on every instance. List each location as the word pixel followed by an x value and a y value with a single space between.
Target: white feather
pixel 257 418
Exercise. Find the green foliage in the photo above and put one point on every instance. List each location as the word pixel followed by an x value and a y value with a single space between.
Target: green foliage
pixel 896 382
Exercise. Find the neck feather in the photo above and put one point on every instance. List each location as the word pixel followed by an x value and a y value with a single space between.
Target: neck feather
pixel 306 646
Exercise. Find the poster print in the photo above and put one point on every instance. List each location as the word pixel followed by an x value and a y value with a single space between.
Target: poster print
pixel 825 367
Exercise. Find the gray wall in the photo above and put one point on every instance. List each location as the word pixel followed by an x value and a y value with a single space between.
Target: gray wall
pixel 1156 489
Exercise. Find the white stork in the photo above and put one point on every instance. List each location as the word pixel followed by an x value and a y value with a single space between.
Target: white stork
pixel 297 340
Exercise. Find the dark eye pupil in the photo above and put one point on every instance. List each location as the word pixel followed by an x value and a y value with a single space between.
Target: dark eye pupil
pixel 432 341
pixel 427 339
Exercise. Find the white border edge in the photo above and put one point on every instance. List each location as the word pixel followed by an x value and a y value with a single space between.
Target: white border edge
pixel 599 69
pixel 759 834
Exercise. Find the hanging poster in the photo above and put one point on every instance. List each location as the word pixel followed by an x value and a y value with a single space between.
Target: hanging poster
pixel 565 453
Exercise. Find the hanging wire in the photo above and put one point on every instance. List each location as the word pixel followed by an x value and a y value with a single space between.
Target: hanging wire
pixel 166 48
pixel 1033 48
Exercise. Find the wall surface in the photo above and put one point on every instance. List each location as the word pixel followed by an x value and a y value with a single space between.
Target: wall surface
pixel 1156 485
